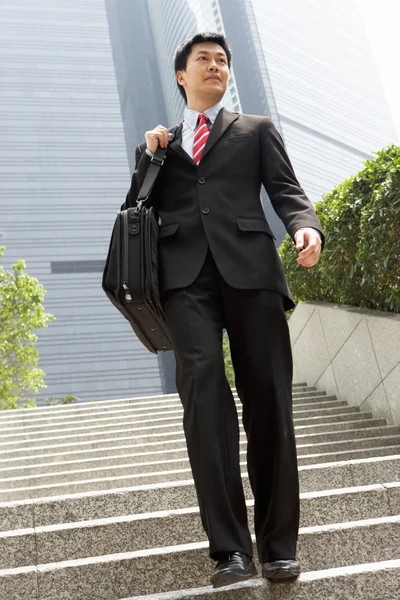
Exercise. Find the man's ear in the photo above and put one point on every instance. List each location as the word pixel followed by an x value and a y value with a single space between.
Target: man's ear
pixel 179 77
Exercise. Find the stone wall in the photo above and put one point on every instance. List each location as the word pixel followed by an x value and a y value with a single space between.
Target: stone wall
pixel 351 352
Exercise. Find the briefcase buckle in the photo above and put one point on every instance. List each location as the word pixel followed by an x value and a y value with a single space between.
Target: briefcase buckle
pixel 158 161
pixel 138 206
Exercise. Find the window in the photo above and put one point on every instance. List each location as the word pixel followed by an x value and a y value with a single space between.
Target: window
pixel 77 266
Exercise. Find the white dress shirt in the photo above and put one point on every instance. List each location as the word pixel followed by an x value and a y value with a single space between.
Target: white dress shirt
pixel 188 130
pixel 190 121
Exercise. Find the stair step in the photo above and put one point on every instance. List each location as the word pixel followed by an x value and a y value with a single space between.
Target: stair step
pixel 113 576
pixel 10 433
pixel 129 533
pixel 312 478
pixel 101 495
pixel 307 444
pixel 165 444
pixel 128 458
pixel 54 457
pixel 360 582
pixel 91 480
pixel 150 432
pixel 29 459
pixel 151 426
pixel 69 415
pixel 158 417
pixel 12 451
pixel 104 405
pixel 132 464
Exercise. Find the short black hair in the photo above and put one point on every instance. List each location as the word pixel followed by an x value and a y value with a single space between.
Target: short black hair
pixel 183 51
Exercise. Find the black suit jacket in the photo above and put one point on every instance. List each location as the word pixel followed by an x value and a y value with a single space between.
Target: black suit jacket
pixel 217 204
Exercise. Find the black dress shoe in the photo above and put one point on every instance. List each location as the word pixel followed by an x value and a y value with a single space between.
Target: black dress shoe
pixel 279 570
pixel 232 567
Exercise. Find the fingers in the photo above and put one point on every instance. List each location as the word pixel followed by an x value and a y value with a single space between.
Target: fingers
pixel 312 249
pixel 162 133
pixel 158 135
pixel 310 256
pixel 309 250
pixel 299 240
pixel 311 262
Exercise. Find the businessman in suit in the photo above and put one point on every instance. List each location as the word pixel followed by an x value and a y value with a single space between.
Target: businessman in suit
pixel 219 269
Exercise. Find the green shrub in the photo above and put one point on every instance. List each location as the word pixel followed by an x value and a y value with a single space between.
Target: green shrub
pixel 360 264
pixel 52 400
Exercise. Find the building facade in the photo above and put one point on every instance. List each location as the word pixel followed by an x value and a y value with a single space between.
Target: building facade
pixel 330 100
pixel 81 82
pixel 64 172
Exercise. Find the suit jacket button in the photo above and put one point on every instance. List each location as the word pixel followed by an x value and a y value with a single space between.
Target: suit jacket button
pixel 205 210
pixel 202 180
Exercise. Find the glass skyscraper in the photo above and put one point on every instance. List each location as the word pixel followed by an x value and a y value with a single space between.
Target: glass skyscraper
pixel 80 83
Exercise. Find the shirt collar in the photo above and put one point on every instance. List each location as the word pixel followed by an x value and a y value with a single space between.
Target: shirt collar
pixel 191 116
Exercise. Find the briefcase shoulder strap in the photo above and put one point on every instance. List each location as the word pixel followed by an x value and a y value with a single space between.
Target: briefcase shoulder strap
pixel 156 162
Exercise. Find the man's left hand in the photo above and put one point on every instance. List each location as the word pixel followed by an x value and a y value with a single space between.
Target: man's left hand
pixel 309 243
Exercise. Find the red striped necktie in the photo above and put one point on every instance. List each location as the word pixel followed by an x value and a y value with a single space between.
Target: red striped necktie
pixel 200 138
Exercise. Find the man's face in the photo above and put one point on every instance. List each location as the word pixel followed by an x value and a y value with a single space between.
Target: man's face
pixel 207 72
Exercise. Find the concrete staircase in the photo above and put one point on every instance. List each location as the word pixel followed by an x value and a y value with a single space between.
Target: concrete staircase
pixel 97 502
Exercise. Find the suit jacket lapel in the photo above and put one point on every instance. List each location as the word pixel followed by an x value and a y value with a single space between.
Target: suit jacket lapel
pixel 224 119
pixel 176 145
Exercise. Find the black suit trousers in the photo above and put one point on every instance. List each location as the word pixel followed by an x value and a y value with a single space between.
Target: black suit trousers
pixel 262 360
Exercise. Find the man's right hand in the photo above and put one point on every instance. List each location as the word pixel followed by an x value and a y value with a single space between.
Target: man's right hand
pixel 156 136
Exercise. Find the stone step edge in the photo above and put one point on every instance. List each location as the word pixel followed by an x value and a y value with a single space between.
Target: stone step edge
pixel 162 456
pixel 108 418
pixel 162 514
pixel 131 476
pixel 184 462
pixel 78 410
pixel 181 440
pixel 153 453
pixel 322 459
pixel 159 485
pixel 142 475
pixel 153 429
pixel 160 417
pixel 73 411
pixel 199 545
pixel 388 430
pixel 325 401
pixel 80 444
pixel 168 471
pixel 305 579
pixel 128 398
pixel 63 410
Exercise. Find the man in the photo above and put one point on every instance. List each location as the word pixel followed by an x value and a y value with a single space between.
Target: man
pixel 219 269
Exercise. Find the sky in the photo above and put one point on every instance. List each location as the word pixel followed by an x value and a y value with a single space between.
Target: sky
pixel 382 23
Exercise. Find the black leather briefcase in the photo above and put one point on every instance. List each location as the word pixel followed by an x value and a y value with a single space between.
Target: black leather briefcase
pixel 130 276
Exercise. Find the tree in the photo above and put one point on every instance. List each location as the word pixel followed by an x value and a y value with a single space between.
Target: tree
pixel 21 313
